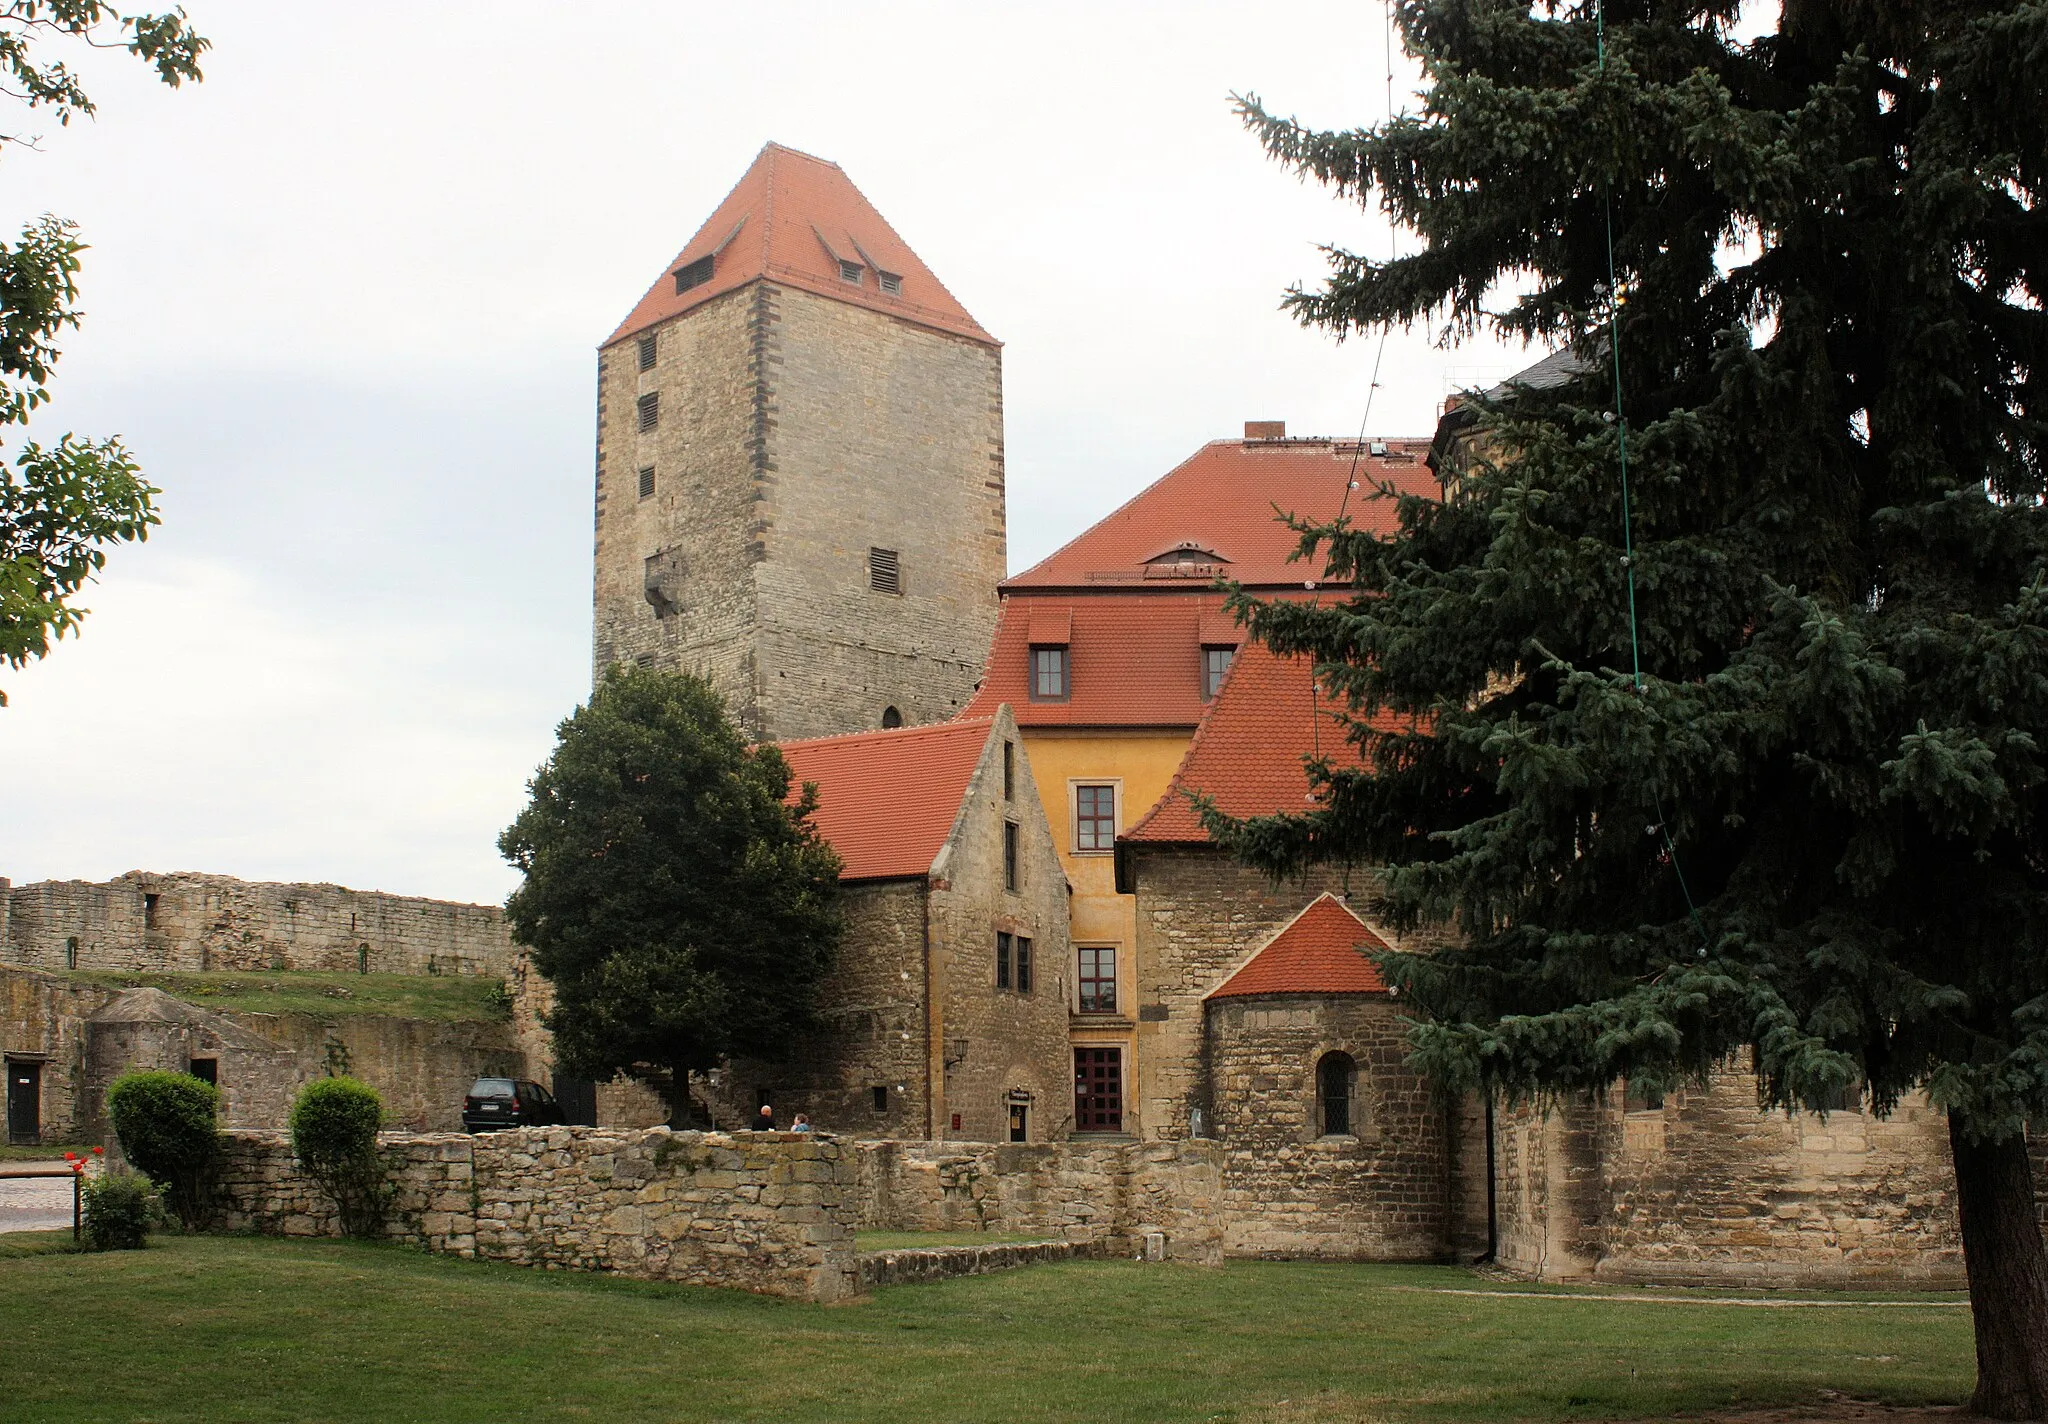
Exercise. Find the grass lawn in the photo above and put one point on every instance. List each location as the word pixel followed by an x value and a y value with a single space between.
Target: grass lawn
pixel 447 997
pixel 239 1329
pixel 47 1152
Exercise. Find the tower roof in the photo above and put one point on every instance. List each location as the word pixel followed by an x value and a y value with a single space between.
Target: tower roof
pixel 799 220
pixel 1320 951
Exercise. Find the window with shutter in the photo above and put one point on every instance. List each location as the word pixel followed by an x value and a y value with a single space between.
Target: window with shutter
pixel 693 274
pixel 646 481
pixel 650 410
pixel 647 350
pixel 885 571
pixel 891 283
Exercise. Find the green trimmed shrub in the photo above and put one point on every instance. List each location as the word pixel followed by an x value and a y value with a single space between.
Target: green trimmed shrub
pixel 167 1124
pixel 334 1135
pixel 119 1210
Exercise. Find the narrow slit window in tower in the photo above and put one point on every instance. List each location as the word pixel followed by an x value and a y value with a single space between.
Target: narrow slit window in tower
pixel 650 410
pixel 647 350
pixel 646 481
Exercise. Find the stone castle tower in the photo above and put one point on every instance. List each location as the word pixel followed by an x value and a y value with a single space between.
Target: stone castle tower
pixel 800 467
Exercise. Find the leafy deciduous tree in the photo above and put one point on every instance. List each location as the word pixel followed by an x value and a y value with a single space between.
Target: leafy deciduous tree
pixel 676 895
pixel 1815 823
pixel 61 505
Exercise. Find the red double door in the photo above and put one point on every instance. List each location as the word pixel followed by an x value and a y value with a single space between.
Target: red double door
pixel 1098 1090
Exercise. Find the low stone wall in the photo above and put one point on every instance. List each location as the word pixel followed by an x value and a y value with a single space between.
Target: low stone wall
pixel 765 1212
pixel 939 1263
pixel 1116 1193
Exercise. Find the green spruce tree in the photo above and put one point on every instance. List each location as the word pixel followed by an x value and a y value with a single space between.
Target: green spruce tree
pixel 676 896
pixel 1754 757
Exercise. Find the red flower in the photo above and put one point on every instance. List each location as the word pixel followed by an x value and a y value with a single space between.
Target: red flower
pixel 98 1151
pixel 70 1156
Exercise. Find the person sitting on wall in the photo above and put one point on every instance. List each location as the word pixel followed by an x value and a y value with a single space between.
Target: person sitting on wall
pixel 766 1121
pixel 802 1124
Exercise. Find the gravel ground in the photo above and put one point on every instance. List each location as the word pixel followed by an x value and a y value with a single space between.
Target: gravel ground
pixel 35 1203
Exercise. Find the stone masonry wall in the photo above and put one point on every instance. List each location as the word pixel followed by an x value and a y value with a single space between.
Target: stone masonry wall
pixel 1102 1192
pixel 85 1040
pixel 692 542
pixel 769 1212
pixel 43 1021
pixel 993 1046
pixel 1200 916
pixel 1379 1192
pixel 186 921
pixel 875 1032
pixel 884 435
pixel 1709 1189
pixel 795 433
pixel 1003 1046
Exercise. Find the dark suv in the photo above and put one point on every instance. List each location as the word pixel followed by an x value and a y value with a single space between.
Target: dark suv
pixel 508 1102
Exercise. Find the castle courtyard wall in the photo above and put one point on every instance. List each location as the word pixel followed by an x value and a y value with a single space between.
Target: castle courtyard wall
pixel 1114 1194
pixel 84 1039
pixel 1709 1189
pixel 765 1212
pixel 191 922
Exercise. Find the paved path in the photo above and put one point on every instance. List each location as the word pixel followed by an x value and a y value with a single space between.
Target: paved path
pixel 35 1203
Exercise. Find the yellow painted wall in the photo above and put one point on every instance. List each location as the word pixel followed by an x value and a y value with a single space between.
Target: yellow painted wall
pixel 1141 763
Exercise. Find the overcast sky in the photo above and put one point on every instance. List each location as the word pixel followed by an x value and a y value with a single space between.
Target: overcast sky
pixel 343 300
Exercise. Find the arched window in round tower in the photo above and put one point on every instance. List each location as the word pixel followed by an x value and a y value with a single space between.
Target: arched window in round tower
pixel 1336 1085
pixel 891 718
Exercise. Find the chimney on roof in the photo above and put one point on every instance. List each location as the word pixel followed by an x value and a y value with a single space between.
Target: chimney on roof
pixel 1265 430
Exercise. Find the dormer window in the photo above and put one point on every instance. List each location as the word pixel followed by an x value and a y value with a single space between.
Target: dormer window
pixel 1215 664
pixel 849 271
pixel 1049 680
pixel 693 274
pixel 1187 559
pixel 891 283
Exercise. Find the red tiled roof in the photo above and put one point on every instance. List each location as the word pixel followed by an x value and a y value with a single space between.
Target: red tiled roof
pixel 1317 952
pixel 792 218
pixel 887 800
pixel 1247 754
pixel 1133 659
pixel 1221 501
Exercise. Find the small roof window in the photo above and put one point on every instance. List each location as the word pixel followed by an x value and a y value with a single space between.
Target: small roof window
pixel 892 283
pixel 849 271
pixel 695 274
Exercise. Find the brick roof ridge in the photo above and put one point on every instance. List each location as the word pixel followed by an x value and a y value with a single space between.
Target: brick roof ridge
pixel 1303 956
pixel 772 145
